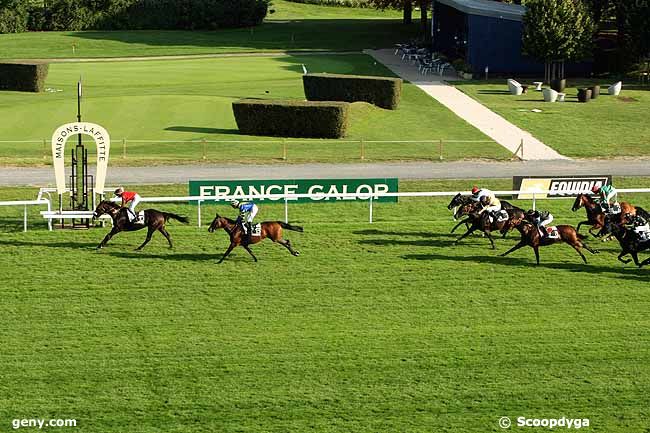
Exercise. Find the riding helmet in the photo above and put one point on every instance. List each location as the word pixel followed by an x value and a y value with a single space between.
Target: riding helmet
pixel 595 188
pixel 234 203
pixel 475 189
pixel 119 190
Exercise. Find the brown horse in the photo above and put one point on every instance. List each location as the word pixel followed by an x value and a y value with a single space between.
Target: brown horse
pixel 530 236
pixel 270 229
pixel 153 220
pixel 482 221
pixel 595 214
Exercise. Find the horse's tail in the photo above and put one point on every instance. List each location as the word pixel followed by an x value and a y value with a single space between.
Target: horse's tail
pixel 173 216
pixel 290 227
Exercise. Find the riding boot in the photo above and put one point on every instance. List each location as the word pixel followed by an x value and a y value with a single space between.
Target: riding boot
pixel 249 234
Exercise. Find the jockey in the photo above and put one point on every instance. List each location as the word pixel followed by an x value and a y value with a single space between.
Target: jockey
pixel 605 194
pixel 247 211
pixel 490 203
pixel 541 220
pixel 130 198
pixel 478 193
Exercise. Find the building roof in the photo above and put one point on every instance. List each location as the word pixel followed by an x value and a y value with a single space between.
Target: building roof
pixel 487 8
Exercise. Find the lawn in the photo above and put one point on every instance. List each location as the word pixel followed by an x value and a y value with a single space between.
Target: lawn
pixel 293 26
pixel 606 127
pixel 382 327
pixel 158 102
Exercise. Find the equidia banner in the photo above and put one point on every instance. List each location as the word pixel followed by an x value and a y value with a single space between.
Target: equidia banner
pixel 318 188
pixel 564 186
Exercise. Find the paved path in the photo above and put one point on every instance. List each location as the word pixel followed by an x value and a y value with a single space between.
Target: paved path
pixel 467 108
pixel 411 170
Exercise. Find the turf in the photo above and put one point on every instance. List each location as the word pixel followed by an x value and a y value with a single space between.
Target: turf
pixel 382 327
pixel 149 106
pixel 606 127
pixel 293 26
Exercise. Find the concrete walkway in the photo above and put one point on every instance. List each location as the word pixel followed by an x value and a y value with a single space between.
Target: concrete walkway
pixel 467 108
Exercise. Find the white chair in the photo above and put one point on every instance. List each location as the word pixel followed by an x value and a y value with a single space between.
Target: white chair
pixel 550 95
pixel 615 89
pixel 560 97
pixel 538 85
pixel 514 87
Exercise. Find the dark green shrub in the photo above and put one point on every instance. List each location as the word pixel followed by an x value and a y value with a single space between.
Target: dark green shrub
pixel 291 118
pixel 381 91
pixel 24 77
pixel 14 15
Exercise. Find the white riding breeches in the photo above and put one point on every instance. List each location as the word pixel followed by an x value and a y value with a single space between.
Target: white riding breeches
pixel 249 216
pixel 134 203
pixel 547 221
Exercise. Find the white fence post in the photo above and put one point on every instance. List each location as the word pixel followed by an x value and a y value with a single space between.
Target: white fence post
pixel 534 200
pixel 286 210
pixel 25 219
pixel 370 209
pixel 198 217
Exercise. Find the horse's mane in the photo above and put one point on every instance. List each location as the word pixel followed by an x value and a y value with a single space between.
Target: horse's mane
pixel 231 221
pixel 111 204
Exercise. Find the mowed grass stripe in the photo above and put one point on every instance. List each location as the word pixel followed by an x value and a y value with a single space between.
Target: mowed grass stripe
pixel 167 102
pixel 367 330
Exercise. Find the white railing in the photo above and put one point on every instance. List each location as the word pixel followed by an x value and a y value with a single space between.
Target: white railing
pixel 25 203
pixel 369 196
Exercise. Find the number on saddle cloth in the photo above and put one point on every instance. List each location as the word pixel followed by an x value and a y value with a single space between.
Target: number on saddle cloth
pixel 552 232
pixel 256 229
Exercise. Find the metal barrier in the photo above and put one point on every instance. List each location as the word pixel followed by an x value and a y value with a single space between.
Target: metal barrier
pixel 25 203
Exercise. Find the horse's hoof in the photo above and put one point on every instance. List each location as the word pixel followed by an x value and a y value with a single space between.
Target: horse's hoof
pixel 297 253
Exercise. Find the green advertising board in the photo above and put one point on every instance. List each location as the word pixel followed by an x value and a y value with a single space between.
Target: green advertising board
pixel 317 188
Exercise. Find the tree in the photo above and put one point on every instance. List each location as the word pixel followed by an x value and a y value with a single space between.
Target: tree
pixel 405 5
pixel 633 23
pixel 556 31
pixel 13 16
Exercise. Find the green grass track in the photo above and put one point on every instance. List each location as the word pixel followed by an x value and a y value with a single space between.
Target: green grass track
pixel 384 327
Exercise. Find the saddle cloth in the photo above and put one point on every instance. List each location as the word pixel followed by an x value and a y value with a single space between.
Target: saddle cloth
pixel 552 232
pixel 139 219
pixel 614 209
pixel 257 229
pixel 501 216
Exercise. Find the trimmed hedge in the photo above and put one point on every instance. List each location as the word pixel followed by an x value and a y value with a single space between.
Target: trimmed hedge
pixel 383 92
pixel 24 77
pixel 291 118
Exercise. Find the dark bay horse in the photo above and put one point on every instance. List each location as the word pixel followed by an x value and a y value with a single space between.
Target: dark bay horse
pixel 629 242
pixel 595 214
pixel 270 229
pixel 482 222
pixel 153 220
pixel 462 205
pixel 530 237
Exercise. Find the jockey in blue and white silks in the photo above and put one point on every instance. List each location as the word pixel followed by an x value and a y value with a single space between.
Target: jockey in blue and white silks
pixel 247 211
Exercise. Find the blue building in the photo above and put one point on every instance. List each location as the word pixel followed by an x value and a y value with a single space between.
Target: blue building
pixel 483 33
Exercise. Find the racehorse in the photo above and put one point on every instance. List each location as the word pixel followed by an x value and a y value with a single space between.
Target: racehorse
pixel 463 205
pixel 629 242
pixel 595 214
pixel 270 229
pixel 153 220
pixel 530 236
pixel 482 222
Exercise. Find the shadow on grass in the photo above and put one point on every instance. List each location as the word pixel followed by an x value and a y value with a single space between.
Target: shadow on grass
pixel 493 92
pixel 236 256
pixel 578 266
pixel 47 244
pixel 200 130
